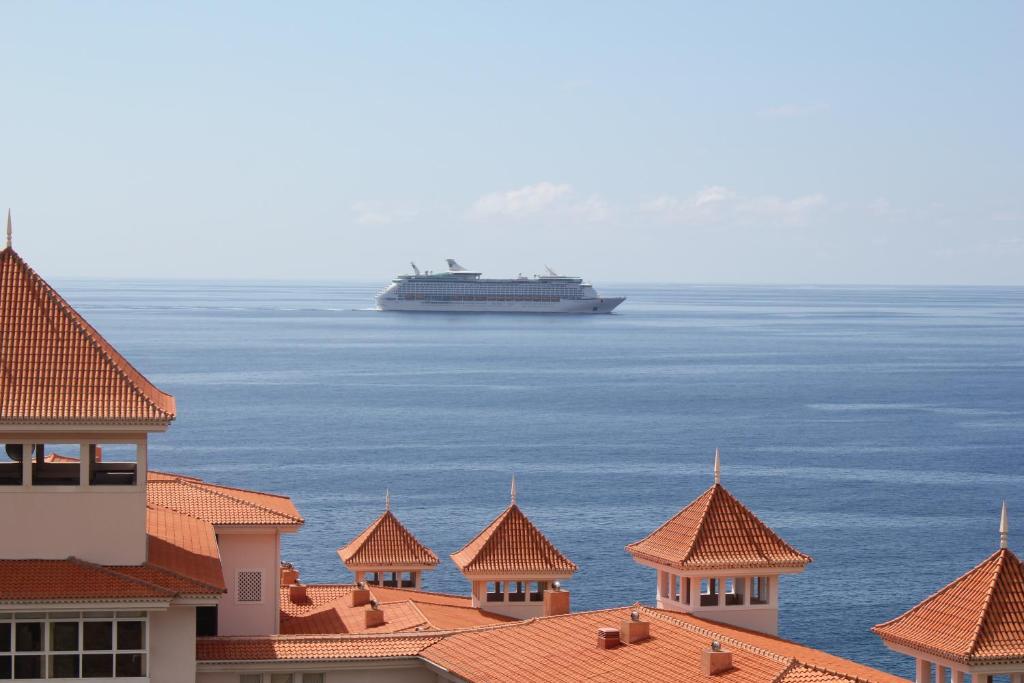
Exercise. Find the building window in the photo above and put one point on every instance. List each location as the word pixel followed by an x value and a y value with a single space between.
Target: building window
pixel 495 591
pixel 206 620
pixel 537 589
pixel 250 585
pixel 516 591
pixel 408 579
pixel 709 589
pixel 759 590
pixel 73 645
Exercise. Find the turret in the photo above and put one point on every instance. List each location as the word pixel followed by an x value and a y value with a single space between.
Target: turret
pixel 63 385
pixel 715 559
pixel 971 627
pixel 387 554
pixel 515 570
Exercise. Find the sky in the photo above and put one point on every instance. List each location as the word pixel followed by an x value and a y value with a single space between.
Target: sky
pixel 788 142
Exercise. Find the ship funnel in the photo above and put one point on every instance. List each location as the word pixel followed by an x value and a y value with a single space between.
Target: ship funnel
pixel 414 268
pixel 453 265
pixel 551 272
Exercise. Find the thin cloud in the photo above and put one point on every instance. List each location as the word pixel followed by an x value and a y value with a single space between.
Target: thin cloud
pixel 380 213
pixel 718 205
pixel 541 198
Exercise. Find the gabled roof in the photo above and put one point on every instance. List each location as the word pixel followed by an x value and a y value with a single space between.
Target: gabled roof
pixel 57 369
pixel 563 648
pixel 309 648
pixel 511 543
pixel 184 545
pixel 326 609
pixel 220 505
pixel 386 543
pixel 716 531
pixel 74 580
pixel 977 618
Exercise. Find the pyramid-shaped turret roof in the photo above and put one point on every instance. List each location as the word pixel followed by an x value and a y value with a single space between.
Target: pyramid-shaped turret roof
pixel 386 543
pixel 717 531
pixel 976 619
pixel 55 368
pixel 511 543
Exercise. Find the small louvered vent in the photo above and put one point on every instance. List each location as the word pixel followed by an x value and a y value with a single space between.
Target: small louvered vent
pixel 250 586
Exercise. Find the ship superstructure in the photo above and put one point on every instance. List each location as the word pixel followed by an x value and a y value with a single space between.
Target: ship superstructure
pixel 460 289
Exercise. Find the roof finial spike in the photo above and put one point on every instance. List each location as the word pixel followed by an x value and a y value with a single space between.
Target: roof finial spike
pixel 1004 528
pixel 718 468
pixel 387 500
pixel 513 488
pixel 10 231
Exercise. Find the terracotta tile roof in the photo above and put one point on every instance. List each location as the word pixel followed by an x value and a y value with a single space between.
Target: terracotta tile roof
pixel 716 531
pixel 77 580
pixel 977 618
pixel 565 648
pixel 386 543
pixel 326 610
pixel 511 543
pixel 220 505
pixel 57 368
pixel 184 545
pixel 310 648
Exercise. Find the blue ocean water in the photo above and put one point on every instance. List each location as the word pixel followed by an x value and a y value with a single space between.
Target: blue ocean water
pixel 876 429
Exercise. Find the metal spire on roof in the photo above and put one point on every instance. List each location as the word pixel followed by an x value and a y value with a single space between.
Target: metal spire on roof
pixel 387 500
pixel 513 489
pixel 9 230
pixel 718 468
pixel 1004 528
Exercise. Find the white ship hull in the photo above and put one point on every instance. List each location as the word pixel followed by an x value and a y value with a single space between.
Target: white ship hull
pixel 601 305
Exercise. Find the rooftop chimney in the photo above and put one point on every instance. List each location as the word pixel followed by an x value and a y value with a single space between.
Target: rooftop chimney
pixel 297 593
pixel 633 630
pixel 289 574
pixel 359 596
pixel 716 660
pixel 374 615
pixel 556 601
pixel 607 638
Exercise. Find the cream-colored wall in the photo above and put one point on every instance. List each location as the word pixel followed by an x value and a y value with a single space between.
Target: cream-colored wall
pixel 762 619
pixel 172 645
pixel 105 525
pixel 411 671
pixel 246 551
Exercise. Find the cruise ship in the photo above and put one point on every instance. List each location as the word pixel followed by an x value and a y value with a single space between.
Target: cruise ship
pixel 458 289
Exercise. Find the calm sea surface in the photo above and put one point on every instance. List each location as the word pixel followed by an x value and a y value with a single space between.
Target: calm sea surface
pixel 876 429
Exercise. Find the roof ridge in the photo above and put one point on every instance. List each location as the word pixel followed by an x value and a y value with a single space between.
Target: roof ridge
pixel 126 577
pixel 949 586
pixel 785 672
pixel 1000 563
pixel 497 524
pixel 710 493
pixel 692 503
pixel 718 635
pixel 199 484
pixel 185 577
pixel 754 516
pixel 95 339
pixel 230 488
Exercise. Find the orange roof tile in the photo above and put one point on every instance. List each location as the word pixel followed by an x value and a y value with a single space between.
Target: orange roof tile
pixel 77 580
pixel 57 368
pixel 313 648
pixel 716 531
pixel 184 545
pixel 220 505
pixel 565 648
pixel 386 543
pixel 977 618
pixel 326 610
pixel 511 543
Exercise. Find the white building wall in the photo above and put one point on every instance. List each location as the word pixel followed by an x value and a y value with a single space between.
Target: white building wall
pixel 105 525
pixel 172 645
pixel 249 552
